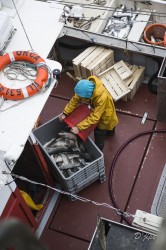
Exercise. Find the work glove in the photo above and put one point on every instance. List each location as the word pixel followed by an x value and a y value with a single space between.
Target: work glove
pixel 75 130
pixel 62 117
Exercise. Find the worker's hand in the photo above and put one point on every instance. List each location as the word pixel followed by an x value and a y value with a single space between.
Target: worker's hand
pixel 75 130
pixel 62 117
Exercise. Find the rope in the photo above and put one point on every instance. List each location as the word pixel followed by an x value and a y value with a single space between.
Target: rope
pixel 28 71
pixel 80 198
pixel 14 70
pixel 22 25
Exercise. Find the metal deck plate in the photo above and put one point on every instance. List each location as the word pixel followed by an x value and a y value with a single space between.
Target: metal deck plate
pixel 159 203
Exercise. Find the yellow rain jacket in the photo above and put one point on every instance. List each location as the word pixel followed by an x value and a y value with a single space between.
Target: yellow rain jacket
pixel 102 104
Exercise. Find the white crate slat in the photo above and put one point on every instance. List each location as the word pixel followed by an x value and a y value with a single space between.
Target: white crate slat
pixel 119 82
pixel 102 58
pixel 101 67
pixel 110 88
pixel 92 61
pixel 136 82
pixel 133 68
pixel 85 69
pixel 114 84
pixel 110 62
pixel 122 70
pixel 89 59
pixel 77 60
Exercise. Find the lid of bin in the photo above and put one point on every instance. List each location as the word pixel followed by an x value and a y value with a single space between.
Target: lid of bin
pixel 78 115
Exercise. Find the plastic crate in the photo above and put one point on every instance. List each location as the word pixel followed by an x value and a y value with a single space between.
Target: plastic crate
pixel 95 170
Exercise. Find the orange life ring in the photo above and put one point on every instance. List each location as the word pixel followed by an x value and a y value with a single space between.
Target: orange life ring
pixel 31 89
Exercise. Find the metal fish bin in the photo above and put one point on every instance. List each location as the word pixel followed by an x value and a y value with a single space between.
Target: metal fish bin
pixel 93 171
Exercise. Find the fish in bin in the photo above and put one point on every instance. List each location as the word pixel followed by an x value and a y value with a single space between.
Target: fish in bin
pixel 68 153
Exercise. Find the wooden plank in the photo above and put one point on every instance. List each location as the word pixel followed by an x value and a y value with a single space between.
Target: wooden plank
pixel 89 59
pixel 102 67
pixel 77 60
pixel 133 68
pixel 108 61
pixel 97 71
pixel 136 81
pixel 119 82
pixel 110 88
pixel 86 52
pixel 122 70
pixel 103 57
pixel 114 84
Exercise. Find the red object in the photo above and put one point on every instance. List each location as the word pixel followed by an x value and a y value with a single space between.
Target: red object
pixel 16 207
pixel 165 39
pixel 78 115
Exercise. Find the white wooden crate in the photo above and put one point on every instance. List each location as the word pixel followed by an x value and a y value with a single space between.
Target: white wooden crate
pixel 102 62
pixel 135 80
pixel 122 70
pixel 77 61
pixel 90 59
pixel 113 83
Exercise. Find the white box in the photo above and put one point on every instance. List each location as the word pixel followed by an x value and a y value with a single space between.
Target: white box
pixel 5 29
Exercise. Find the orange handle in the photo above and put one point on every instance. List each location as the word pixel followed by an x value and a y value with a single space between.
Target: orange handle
pixel 165 39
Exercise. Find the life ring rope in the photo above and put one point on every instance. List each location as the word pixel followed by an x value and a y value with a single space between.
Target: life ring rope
pixel 20 71
pixel 34 60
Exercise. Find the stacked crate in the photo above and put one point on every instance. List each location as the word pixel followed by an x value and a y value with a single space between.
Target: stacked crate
pixel 122 80
pixel 135 80
pixel 92 61
pixel 114 80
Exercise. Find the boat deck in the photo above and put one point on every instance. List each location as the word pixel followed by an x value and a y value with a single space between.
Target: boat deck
pixel 136 175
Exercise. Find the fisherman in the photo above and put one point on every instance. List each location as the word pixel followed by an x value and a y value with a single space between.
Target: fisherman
pixel 93 92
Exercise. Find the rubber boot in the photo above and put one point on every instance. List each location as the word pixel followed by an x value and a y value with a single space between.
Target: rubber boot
pixel 99 135
pixel 111 132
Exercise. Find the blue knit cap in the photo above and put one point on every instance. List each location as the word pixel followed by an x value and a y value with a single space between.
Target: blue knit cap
pixel 84 88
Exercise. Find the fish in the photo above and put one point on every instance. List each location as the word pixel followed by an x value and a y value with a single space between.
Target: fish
pixel 68 135
pixel 68 153
pixel 59 144
pixel 71 156
pixel 58 150
pixel 69 172
pixel 152 39
pixel 69 166
pixel 47 144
